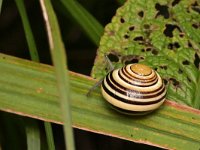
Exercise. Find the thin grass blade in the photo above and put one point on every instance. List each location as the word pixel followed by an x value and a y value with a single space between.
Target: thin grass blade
pixel 28 32
pixel 1 1
pixel 33 134
pixel 90 25
pixel 59 60
pixel 49 134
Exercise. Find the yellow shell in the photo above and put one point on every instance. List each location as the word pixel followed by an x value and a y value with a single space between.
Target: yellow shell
pixel 134 89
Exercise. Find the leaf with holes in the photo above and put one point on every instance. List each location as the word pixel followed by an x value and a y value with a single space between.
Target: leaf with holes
pixel 162 34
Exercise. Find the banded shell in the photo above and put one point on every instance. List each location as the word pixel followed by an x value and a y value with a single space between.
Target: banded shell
pixel 134 89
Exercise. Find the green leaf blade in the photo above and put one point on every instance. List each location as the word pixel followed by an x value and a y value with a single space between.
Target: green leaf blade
pixel 33 134
pixel 28 32
pixel 90 25
pixel 32 92
pixel 50 138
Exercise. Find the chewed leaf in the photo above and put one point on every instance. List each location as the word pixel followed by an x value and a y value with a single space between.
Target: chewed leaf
pixel 162 34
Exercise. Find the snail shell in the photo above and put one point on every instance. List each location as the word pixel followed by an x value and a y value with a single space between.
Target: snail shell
pixel 134 89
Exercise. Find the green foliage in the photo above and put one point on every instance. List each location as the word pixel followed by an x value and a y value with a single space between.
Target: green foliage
pixel 162 34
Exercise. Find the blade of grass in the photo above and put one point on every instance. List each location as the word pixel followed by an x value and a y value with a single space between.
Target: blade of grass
pixel 35 57
pixel 90 25
pixel 29 89
pixel 1 1
pixel 59 60
pixel 49 133
pixel 32 133
pixel 28 33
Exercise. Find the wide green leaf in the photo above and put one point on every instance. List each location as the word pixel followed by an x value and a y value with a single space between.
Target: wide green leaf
pixel 29 89
pixel 162 34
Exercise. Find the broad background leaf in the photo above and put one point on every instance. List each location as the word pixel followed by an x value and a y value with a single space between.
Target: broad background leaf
pixel 162 34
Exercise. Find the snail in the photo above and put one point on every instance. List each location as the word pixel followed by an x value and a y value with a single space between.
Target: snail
pixel 134 89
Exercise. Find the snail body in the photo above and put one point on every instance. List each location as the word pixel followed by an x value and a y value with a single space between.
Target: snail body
pixel 134 89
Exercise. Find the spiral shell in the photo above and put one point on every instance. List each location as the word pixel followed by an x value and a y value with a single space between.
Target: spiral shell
pixel 134 89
